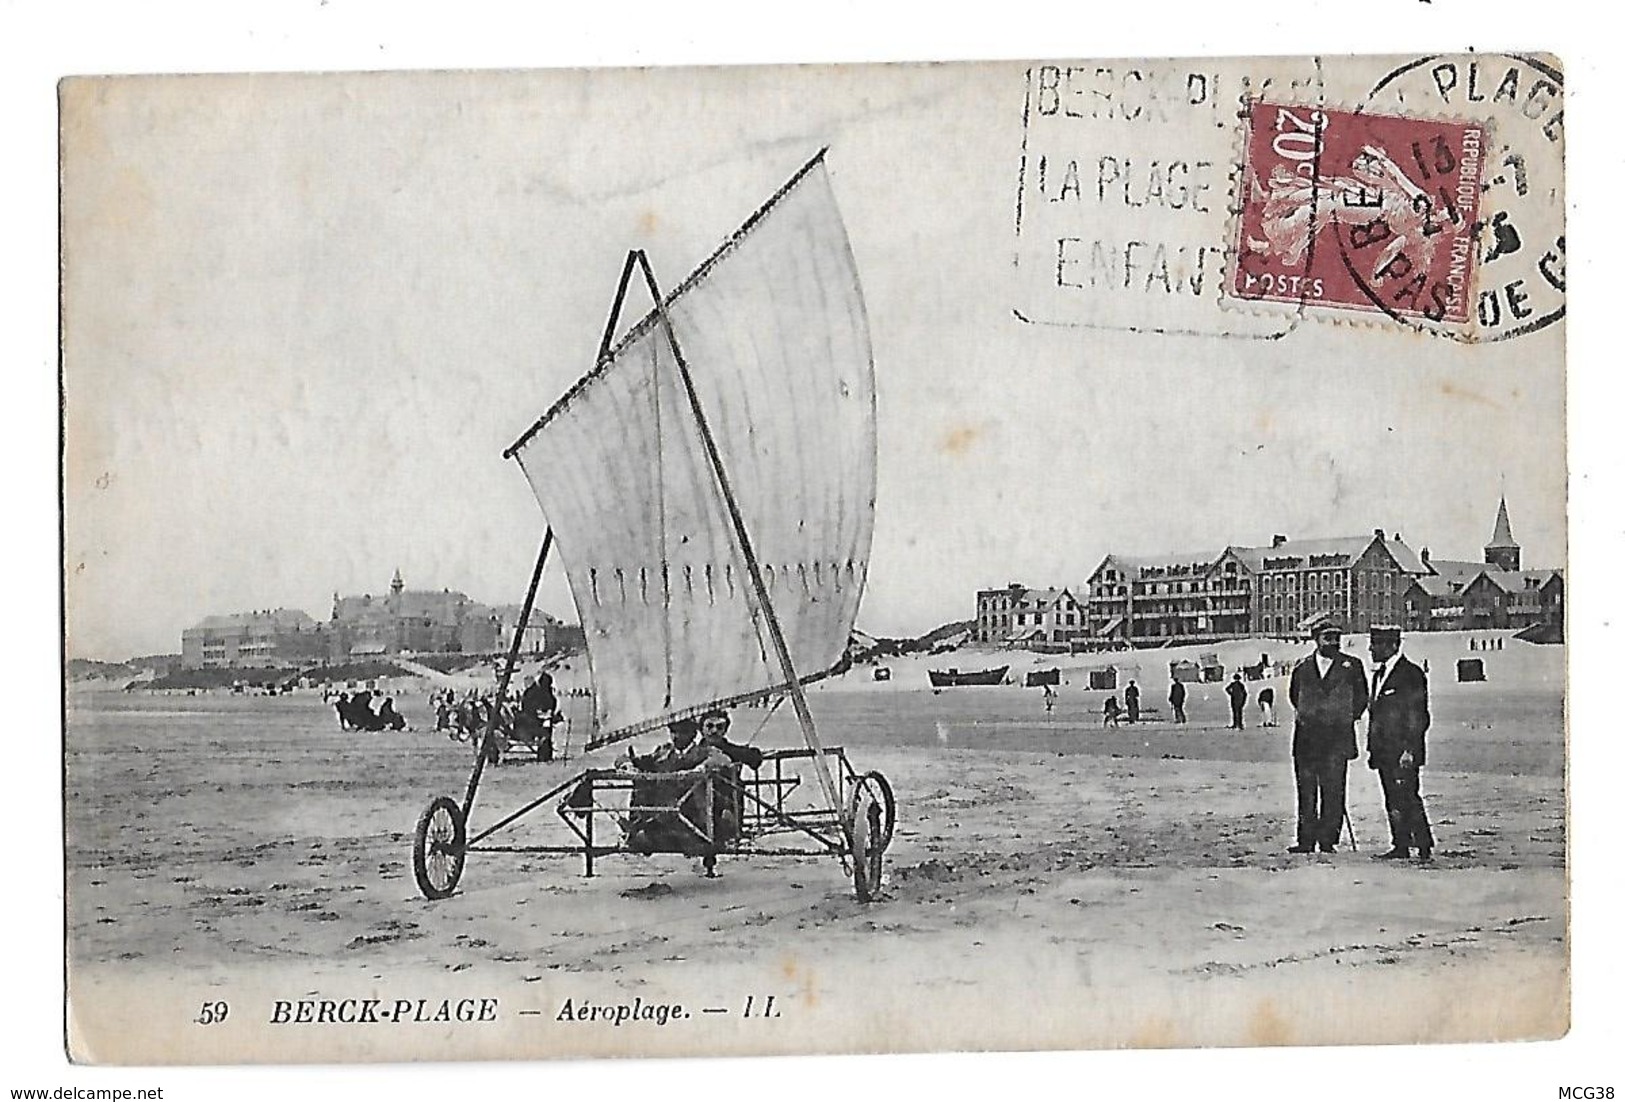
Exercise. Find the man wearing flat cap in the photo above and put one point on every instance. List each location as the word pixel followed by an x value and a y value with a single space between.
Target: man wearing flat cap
pixel 1396 743
pixel 1328 692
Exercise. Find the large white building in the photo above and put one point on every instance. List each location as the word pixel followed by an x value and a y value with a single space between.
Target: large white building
pixel 1016 613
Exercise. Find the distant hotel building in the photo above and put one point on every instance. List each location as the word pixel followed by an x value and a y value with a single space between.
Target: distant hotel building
pixel 268 637
pixel 1241 591
pixel 417 621
pixel 1276 590
pixel 1362 579
pixel 402 622
pixel 1164 597
pixel 1493 594
pixel 1019 614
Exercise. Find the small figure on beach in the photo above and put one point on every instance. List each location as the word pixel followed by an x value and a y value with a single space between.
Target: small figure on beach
pixel 1049 697
pixel 388 718
pixel 1176 700
pixel 1110 712
pixel 1237 692
pixel 1396 743
pixel 1131 699
pixel 1266 705
pixel 538 714
pixel 1328 693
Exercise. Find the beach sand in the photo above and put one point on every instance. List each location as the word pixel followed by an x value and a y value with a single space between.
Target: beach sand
pixel 1051 884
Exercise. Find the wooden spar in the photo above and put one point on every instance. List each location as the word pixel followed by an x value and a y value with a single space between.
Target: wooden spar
pixel 758 588
pixel 606 351
pixel 604 347
pixel 615 309
pixel 507 674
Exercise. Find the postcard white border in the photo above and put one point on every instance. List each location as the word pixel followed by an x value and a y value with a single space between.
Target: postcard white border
pixel 42 42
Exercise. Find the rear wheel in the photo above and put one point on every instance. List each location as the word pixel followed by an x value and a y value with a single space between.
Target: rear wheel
pixel 875 783
pixel 439 848
pixel 868 845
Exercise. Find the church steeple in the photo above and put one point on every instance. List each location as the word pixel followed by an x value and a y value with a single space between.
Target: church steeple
pixel 396 585
pixel 1502 551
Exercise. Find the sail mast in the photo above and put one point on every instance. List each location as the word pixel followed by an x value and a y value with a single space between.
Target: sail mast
pixel 607 351
pixel 758 588
pixel 648 490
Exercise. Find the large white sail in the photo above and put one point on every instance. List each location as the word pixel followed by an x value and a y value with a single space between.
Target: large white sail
pixel 773 332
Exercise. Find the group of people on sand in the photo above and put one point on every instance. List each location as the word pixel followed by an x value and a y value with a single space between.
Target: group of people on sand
pixel 463 716
pixel 1113 714
pixel 1237 692
pixel 1329 692
pixel 530 718
pixel 357 712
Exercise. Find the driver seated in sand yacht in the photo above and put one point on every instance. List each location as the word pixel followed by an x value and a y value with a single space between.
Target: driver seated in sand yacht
pixel 714 732
pixel 680 753
pixel 654 826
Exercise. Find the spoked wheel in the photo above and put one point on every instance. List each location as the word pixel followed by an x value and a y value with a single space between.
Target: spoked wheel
pixel 875 784
pixel 439 848
pixel 868 843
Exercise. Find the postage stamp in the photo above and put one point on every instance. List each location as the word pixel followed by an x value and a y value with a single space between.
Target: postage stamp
pixel 1245 198
pixel 1359 211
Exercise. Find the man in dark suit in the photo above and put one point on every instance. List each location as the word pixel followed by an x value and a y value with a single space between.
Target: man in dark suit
pixel 1396 742
pixel 1328 692
pixel 1237 692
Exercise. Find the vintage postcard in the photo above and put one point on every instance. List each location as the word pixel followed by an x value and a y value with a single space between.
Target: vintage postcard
pixel 784 560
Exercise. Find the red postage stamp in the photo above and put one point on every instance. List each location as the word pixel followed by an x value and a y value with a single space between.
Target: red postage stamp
pixel 1354 211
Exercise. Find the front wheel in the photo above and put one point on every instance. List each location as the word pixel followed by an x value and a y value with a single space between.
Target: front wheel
pixel 439 848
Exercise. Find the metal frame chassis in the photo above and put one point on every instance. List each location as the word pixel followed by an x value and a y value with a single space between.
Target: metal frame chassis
pixel 760 817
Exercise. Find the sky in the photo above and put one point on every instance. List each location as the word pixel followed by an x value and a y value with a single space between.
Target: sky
pixel 305 314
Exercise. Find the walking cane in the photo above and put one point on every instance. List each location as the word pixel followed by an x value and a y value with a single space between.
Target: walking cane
pixel 1353 845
